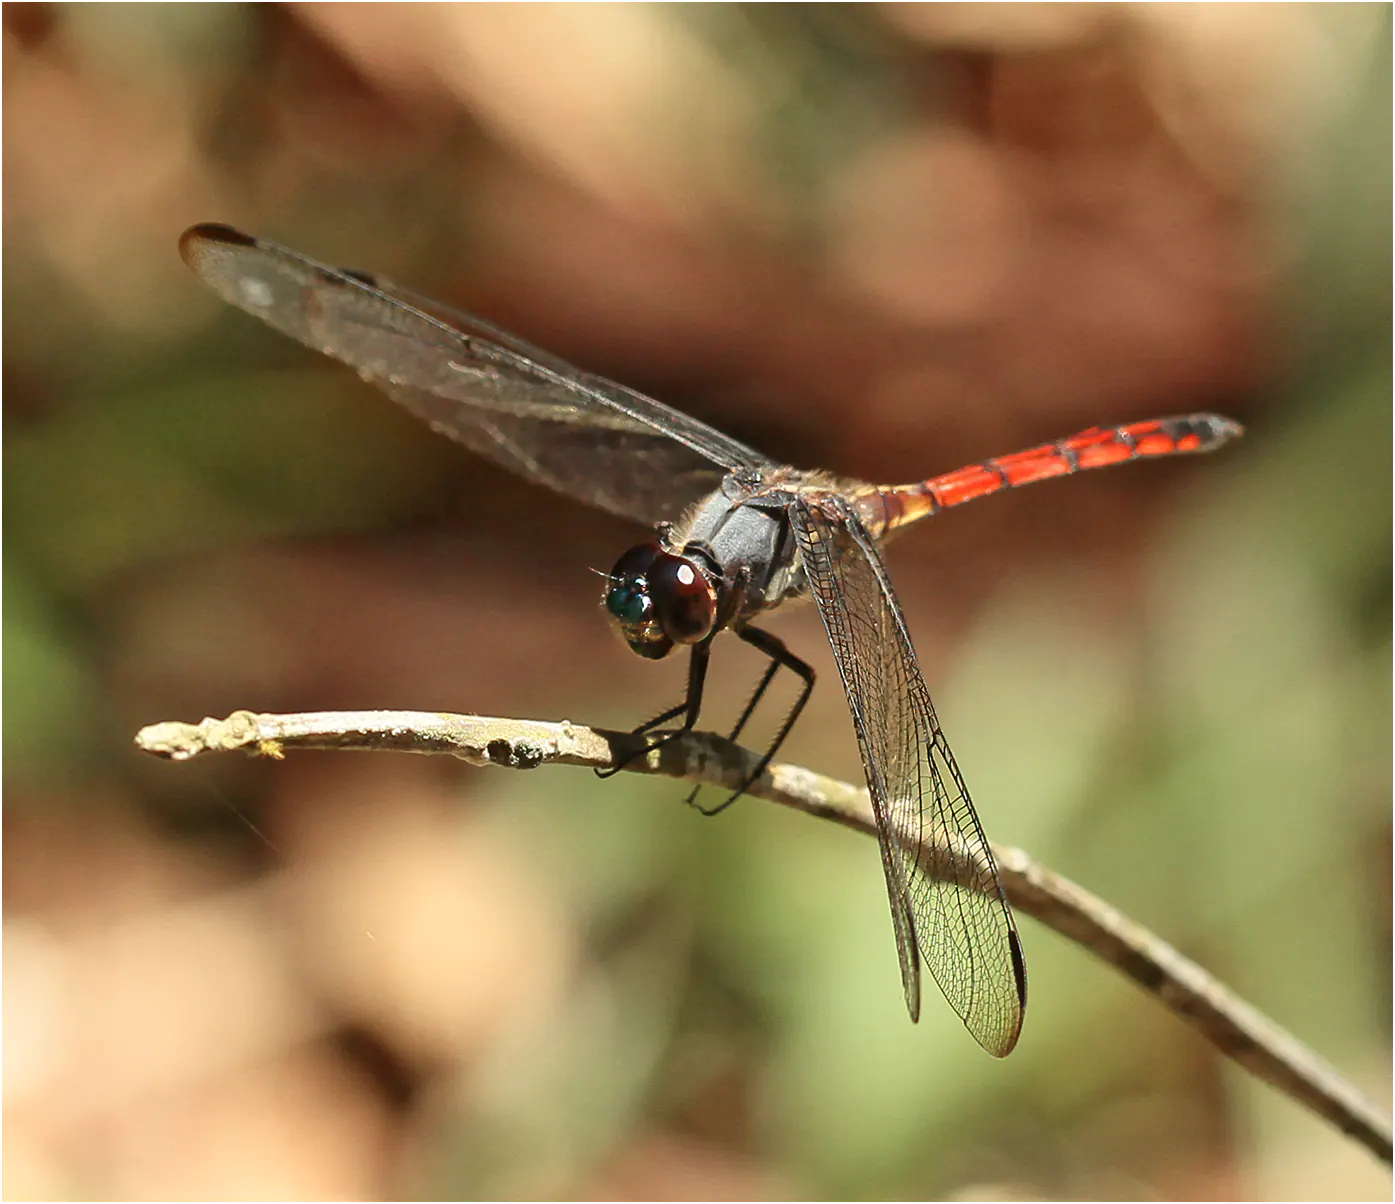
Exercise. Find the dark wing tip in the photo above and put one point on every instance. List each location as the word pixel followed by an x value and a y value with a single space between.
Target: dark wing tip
pixel 1019 975
pixel 191 240
pixel 998 1027
pixel 1019 970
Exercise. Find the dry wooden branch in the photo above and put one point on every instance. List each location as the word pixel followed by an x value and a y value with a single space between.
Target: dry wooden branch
pixel 1234 1027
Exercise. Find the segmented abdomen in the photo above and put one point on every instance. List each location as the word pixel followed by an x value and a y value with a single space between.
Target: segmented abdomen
pixel 896 505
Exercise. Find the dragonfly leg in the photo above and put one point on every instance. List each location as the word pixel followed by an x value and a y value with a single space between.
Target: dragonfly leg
pixel 689 708
pixel 779 656
pixel 756 695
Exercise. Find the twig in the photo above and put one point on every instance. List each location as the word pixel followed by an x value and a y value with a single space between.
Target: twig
pixel 1234 1027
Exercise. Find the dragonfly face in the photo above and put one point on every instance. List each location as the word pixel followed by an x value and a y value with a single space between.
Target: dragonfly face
pixel 659 599
pixel 730 558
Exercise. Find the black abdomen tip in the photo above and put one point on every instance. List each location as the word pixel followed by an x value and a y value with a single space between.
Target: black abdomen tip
pixel 1211 429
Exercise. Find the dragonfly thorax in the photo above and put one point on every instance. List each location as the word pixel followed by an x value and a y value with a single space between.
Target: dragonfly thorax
pixel 658 599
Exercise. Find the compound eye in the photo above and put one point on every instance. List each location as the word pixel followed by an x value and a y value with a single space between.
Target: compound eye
pixel 685 599
pixel 630 602
pixel 627 594
pixel 637 561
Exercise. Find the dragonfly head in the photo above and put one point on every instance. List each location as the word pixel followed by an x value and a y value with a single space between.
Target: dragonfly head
pixel 658 599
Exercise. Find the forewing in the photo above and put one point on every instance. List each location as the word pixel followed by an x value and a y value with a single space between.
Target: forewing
pixel 533 413
pixel 946 899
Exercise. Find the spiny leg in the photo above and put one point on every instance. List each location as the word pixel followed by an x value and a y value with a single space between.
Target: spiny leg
pixel 756 695
pixel 689 708
pixel 779 656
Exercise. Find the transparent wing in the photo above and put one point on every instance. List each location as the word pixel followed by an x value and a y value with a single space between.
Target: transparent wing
pixel 946 899
pixel 513 403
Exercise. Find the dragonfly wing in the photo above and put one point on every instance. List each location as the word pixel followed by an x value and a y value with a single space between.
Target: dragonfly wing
pixel 946 899
pixel 513 403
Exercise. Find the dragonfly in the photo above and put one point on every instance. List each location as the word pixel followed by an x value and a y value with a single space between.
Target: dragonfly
pixel 735 535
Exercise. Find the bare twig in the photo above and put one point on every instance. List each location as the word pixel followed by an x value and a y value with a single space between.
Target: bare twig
pixel 1231 1025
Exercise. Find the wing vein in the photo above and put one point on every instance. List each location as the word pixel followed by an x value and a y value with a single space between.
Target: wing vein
pixel 947 904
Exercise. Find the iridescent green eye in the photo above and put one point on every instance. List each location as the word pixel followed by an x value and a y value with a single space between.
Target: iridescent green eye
pixel 627 598
pixel 626 603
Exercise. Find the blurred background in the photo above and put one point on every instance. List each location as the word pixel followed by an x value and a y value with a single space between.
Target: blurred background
pixel 885 240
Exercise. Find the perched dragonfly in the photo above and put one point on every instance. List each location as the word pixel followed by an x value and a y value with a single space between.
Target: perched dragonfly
pixel 736 534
